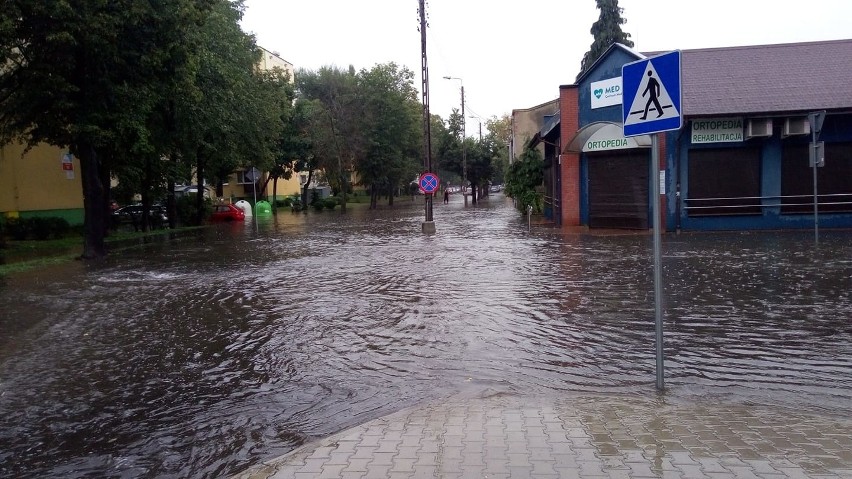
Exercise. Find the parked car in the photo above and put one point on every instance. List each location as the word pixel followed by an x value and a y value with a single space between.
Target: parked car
pixel 132 214
pixel 227 212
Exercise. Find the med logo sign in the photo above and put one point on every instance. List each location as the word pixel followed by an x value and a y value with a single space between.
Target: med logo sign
pixel 606 92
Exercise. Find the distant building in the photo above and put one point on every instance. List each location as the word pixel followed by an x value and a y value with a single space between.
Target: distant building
pixel 526 123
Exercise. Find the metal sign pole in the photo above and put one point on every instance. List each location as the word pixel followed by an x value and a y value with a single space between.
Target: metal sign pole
pixel 814 162
pixel 658 268
pixel 815 121
pixel 654 86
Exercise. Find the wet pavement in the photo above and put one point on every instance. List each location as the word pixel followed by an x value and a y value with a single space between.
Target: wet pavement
pixel 578 437
pixel 207 355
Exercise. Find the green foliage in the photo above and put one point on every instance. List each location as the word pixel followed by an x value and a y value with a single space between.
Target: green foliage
pixel 367 122
pixel 606 31
pixel 287 201
pixel 331 203
pixel 89 76
pixel 186 209
pixel 332 115
pixel 392 128
pixel 522 180
pixel 17 228
pixel 39 227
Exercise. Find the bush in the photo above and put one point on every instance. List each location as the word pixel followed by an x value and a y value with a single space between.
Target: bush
pixel 523 178
pixel 18 228
pixel 186 209
pixel 330 203
pixel 39 227
pixel 59 227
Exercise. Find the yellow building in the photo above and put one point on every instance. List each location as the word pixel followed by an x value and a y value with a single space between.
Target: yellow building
pixel 44 181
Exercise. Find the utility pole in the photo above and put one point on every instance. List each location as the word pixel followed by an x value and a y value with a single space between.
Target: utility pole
pixel 464 148
pixel 429 223
pixel 463 136
pixel 480 126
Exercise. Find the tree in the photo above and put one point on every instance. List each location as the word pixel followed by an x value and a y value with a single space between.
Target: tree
pixel 293 152
pixel 446 152
pixel 336 130
pixel 84 75
pixel 447 146
pixel 235 119
pixel 523 179
pixel 606 31
pixel 391 124
pixel 499 133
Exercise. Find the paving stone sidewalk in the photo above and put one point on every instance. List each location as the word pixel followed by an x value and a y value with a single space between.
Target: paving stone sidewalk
pixel 598 437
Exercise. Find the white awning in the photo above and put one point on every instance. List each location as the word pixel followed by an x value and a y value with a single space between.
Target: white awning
pixel 603 136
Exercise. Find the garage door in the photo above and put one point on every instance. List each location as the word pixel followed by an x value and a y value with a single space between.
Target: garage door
pixel 618 190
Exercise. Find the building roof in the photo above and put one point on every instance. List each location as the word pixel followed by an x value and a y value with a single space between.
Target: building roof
pixel 767 79
pixel 606 53
pixel 550 103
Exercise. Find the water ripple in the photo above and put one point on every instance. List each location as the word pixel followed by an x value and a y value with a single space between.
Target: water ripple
pixel 204 355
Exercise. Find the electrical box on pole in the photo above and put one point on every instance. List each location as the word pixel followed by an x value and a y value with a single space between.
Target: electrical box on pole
pixel 816 153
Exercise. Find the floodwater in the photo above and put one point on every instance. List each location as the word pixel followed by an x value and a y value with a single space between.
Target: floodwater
pixel 203 355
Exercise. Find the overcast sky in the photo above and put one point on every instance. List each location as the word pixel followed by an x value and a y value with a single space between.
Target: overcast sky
pixel 515 54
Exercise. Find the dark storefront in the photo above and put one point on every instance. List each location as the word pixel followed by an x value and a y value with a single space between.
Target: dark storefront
pixel 618 189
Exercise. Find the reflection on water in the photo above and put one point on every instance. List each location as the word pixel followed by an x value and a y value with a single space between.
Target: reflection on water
pixel 204 355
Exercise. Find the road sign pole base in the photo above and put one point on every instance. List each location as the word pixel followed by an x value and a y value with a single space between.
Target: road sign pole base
pixel 429 227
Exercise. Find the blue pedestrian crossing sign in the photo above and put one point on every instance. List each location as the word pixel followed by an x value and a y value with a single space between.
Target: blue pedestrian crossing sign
pixel 652 95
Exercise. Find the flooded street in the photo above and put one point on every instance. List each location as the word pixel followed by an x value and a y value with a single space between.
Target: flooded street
pixel 203 355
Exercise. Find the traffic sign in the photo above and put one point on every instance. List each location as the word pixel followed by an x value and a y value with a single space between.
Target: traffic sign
pixel 428 183
pixel 652 95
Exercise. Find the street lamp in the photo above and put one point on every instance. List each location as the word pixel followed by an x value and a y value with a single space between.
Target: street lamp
pixel 464 134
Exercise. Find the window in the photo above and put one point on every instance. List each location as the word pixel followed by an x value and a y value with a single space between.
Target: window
pixel 724 181
pixel 834 180
pixel 244 177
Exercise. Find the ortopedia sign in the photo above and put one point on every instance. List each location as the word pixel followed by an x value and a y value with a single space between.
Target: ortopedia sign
pixel 609 137
pixel 717 130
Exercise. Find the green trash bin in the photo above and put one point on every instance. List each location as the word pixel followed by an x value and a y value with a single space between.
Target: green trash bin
pixel 263 208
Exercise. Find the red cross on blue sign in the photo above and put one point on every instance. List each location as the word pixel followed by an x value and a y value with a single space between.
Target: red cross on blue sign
pixel 428 183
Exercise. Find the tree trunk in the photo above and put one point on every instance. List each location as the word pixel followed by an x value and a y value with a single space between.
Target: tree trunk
pixel 145 220
pixel 374 197
pixel 305 189
pixel 105 177
pixel 275 196
pixel 473 188
pixel 171 201
pixel 344 186
pixel 94 222
pixel 199 197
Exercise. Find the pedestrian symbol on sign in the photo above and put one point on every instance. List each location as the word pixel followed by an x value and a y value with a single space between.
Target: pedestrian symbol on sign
pixel 651 97
pixel 655 86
